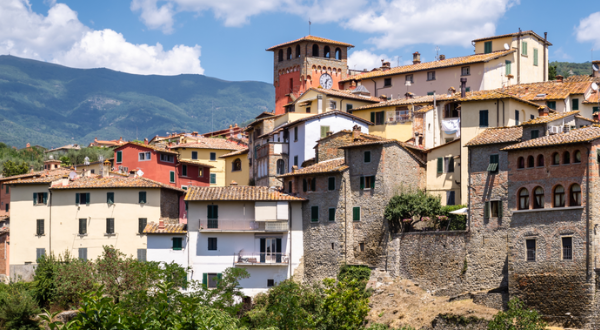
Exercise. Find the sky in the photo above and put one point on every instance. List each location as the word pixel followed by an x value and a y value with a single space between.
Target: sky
pixel 227 39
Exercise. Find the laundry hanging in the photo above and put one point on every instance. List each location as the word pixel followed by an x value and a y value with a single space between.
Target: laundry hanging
pixel 451 126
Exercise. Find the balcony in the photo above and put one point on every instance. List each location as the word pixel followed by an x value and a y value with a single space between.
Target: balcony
pixel 261 259
pixel 241 226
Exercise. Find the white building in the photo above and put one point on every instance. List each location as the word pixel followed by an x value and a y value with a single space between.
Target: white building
pixel 257 228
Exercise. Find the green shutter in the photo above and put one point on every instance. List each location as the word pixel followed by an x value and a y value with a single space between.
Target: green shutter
pixel 314 213
pixel 508 65
pixel 595 109
pixel 535 56
pixel 524 47
pixel 172 176
pixel 486 210
pixel 356 213
pixel 324 130
pixel 440 165
pixel 46 198
pixel 176 243
pixel 332 214
pixel 110 198
pixel 367 156
pixel 216 211
pixel 119 156
pixel 77 199
pixel 142 225
pixel 40 227
pixel 487 47
pixel 373 182
pixel 209 211
pixel 87 198
pixel 575 104
pixel 110 225
pixel 373 117
pixel 348 107
pixel 82 226
pixel 205 280
pixel 499 209
pixel 213 178
pixel 35 197
pixel 332 183
pixel 362 182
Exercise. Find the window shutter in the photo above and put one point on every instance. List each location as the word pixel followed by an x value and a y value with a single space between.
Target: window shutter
pixel 172 176
pixel 39 253
pixel 332 214
pixel 262 249
pixel 486 210
pixel 313 184
pixel 209 212
pixel 499 209
pixel 373 117
pixel 535 56
pixel 373 182
pixel 216 211
pixel 142 224
pixel 440 165
pixel 35 197
pixel 332 183
pixel 575 104
pixel 314 213
pixel 483 118
pixel 83 253
pixel 356 213
pixel 40 227
pixel 110 226
pixel 82 226
pixel 87 198
pixel 451 165
pixel 204 280
pixel 304 185
pixel 278 250
pixel 119 156
pixel 141 254
pixel 507 64
pixel 362 182
pixel 46 198
pixel 323 131
pixel 524 46
pixel 77 199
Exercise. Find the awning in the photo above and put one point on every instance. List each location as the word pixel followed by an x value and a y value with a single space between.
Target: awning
pixel 463 211
pixel 492 167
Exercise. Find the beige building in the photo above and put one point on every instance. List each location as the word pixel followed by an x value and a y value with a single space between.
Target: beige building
pixel 54 214
pixel 237 169
pixel 319 100
pixel 443 172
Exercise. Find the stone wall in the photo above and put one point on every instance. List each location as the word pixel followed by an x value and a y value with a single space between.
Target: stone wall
pixel 169 205
pixel 328 147
pixel 4 251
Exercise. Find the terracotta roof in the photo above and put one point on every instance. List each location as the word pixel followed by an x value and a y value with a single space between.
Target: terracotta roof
pixel 592 99
pixel 425 109
pixel 442 145
pixel 346 131
pixel 549 90
pixel 210 143
pixel 149 146
pixel 450 62
pixel 238 193
pixel 179 228
pixel 235 153
pixel 402 145
pixel 328 166
pixel 113 182
pixel 347 93
pixel 13 177
pixel 194 162
pixel 551 117
pixel 39 180
pixel 494 95
pixel 528 32
pixel 584 134
pixel 497 135
pixel 4 230
pixel 582 78
pixel 326 114
pixel 311 38
pixel 415 100
pixel 118 173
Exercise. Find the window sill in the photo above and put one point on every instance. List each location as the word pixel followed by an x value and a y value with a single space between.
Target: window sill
pixel 465 75
pixel 430 80
pixel 524 55
pixel 550 209
pixel 107 234
pixel 82 235
pixel 388 86
pixel 40 235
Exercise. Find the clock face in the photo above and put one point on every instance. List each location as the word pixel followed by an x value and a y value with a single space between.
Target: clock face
pixel 326 81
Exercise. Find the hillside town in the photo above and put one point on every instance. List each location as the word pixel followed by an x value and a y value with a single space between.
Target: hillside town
pixel 302 190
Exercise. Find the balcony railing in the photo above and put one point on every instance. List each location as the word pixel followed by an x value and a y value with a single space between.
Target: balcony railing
pixel 264 258
pixel 242 225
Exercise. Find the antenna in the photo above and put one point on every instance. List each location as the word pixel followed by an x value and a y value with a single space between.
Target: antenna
pixel 309 23
pixel 437 53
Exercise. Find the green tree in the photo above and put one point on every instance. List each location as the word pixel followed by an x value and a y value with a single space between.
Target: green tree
pixel 517 317
pixel 552 72
pixel 226 294
pixel 10 168
pixel 17 307
pixel 345 305
pixel 410 207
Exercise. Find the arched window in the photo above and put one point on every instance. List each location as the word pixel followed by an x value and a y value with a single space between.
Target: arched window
pixel 280 167
pixel 577 157
pixel 298 51
pixel 523 199
pixel 280 55
pixel 338 54
pixel 575 193
pixel 315 50
pixel 559 196
pixel 540 160
pixel 521 162
pixel 289 53
pixel 327 52
pixel 555 159
pixel 566 158
pixel 236 165
pixel 530 162
pixel 538 198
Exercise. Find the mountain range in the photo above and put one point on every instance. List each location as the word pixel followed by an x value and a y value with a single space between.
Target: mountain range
pixel 52 105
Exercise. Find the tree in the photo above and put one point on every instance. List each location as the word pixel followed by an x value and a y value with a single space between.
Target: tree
pixel 410 207
pixel 552 72
pixel 345 305
pixel 10 168
pixel 517 317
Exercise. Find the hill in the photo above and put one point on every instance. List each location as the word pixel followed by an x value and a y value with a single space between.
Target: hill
pixel 52 105
pixel 568 68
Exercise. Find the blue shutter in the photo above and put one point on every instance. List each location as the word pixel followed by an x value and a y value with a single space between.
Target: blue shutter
pixel 46 198
pixel 35 197
pixel 87 198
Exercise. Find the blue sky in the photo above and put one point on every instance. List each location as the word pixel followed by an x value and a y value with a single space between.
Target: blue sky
pixel 227 38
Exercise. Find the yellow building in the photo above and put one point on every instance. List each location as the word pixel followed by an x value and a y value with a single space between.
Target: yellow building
pixel 237 170
pixel 53 214
pixel 443 172
pixel 319 100
pixel 209 151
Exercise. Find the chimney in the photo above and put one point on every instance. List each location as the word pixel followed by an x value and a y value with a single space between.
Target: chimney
pixel 442 57
pixel 409 95
pixel 416 58
pixel 353 85
pixel 329 133
pixel 596 64
pixel 559 78
pixel 194 133
pixel 463 87
pixel 595 116
pixel 385 65
pixel 145 140
pixel 355 132
pixel 236 126
pixel 294 168
pixel 28 145
pixel 543 112
pixel 383 98
pixel 161 224
pixel 105 169
pixel 121 138
pixel 451 90
pixel 233 183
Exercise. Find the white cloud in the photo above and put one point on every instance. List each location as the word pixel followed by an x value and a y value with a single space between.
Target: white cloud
pixel 588 30
pixel 61 38
pixel 560 53
pixel 364 59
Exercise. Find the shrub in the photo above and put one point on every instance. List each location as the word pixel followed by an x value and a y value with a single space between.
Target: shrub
pixel 17 307
pixel 517 317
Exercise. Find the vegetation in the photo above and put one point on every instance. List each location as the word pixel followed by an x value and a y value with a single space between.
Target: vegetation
pixel 567 69
pixel 15 161
pixel 410 207
pixel 517 317
pixel 77 157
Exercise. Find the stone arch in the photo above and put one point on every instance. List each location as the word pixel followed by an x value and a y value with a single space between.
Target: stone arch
pixel 338 53
pixel 280 55
pixel 327 52
pixel 315 50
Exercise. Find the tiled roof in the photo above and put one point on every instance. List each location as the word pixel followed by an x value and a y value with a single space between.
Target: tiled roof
pixel 592 99
pixel 494 95
pixel 551 117
pixel 113 182
pixel 152 228
pixel 328 166
pixel 259 120
pixel 551 90
pixel 194 162
pixel 497 135
pixel 235 153
pixel 575 136
pixel 326 114
pixel 312 38
pixel 39 180
pixel 347 93
pixel 238 193
pixel 149 146
pixel 528 32
pixel 210 143
pixel 442 145
pixel 582 78
pixel 404 101
pixel 346 131
pixel 118 173
pixel 450 62
pixel 425 109
pixel 13 177
pixel 402 145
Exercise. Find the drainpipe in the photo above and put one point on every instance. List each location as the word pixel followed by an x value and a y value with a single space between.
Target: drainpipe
pixel 587 216
pixel 519 57
pixel 545 77
pixel 290 239
pixel 374 87
pixel 503 113
pixel 498 113
pixel 50 226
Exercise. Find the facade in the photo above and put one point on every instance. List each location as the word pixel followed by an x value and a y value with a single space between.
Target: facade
pixel 4 250
pixel 237 168
pixel 443 172
pixel 320 100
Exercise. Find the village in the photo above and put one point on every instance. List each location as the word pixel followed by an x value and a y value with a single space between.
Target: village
pixel 303 190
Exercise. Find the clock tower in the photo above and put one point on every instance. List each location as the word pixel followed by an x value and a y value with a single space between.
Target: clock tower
pixel 305 63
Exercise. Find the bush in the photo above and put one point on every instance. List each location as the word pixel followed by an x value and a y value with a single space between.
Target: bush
pixel 455 221
pixel 17 307
pixel 517 317
pixel 411 206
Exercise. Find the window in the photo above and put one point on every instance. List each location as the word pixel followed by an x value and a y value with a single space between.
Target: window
pixel 567 248
pixel 212 244
pixel 468 89
pixel 367 182
pixel 595 109
pixel 378 118
pixel 535 134
pixel 517 117
pixel 367 156
pixel 142 225
pixel 332 105
pixel 559 196
pixel 324 131
pixel 290 187
pixel 213 156
pixel 39 230
pixel 315 50
pixel 530 162
pixel 445 165
pixel 289 53
pixel 307 109
pixel 141 255
pixel 361 247
pixel 530 245
pixel 331 183
pixel 237 165
pixel 6 206
pixel 551 104
pixel 313 184
pixel 142 156
pixel 531 116
pixel 326 52
pixel 487 47
pixel 524 48
pixel 540 160
pixel 430 93
pixel 494 164
pixel 172 176
pixel 39 253
pixel 483 118
pixel 40 198
pixel 304 185
pixel 440 165
pixel 575 104
pixel 82 198
pixel 142 197
pixel 194 154
pixel 212 216
pixel 465 71
pixel 535 57
pixel 7 191
pixel 280 166
pixel 167 158
pixel 566 158
pixel 523 199
pixel 271 282
pixel 183 170
pixel 409 77
pixel 200 172
pixel 507 65
pixel 213 178
pixel 555 159
pixel 110 225
pixel 577 157
pixel 331 214
pixel 298 54
pixel 210 280
pixel 492 209
pixel 280 55
pixel 82 226
pixel 83 253
pixel 314 213
pixel 387 82
pixel 575 195
pixel 538 198
pixel 521 162
pixel 348 107
pixel 431 75
pixel 296 161
pixel 356 213
pixel 119 156
pixel 296 133
pixel 450 198
pixel 93 171
pixel 451 110
pixel 177 243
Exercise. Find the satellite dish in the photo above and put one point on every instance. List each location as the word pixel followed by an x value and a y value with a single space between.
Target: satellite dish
pixel 408 83
pixel 86 161
pixel 51 157
pixel 72 176
pixel 595 86
pixel 506 46
pixel 595 67
pixel 100 158
pixel 139 173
